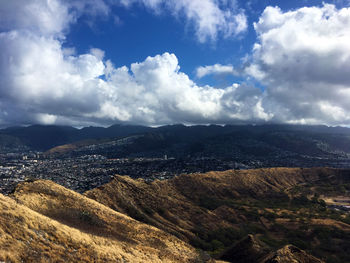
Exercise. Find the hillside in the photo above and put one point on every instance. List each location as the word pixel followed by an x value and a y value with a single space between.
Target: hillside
pixel 251 250
pixel 266 215
pixel 229 141
pixel 255 146
pixel 44 222
pixel 271 145
pixel 214 210
pixel 42 138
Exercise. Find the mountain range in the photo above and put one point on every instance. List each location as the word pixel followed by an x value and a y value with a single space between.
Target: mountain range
pixel 271 145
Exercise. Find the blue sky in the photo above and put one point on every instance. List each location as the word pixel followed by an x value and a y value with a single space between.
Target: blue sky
pixel 139 33
pixel 155 62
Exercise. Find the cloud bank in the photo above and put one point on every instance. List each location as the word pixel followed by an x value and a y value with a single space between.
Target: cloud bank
pixel 42 82
pixel 301 57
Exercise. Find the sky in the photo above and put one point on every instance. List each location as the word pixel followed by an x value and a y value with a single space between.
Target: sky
pixel 158 62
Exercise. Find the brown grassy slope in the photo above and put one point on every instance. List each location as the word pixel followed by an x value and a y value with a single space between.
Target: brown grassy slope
pixel 61 149
pixel 243 183
pixel 252 250
pixel 158 203
pixel 49 223
pixel 65 148
pixel 289 254
pixel 249 249
pixel 176 205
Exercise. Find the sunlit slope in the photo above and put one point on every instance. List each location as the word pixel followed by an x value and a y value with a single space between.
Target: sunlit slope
pixel 179 204
pixel 48 223
pixel 289 254
pixel 267 215
pixel 213 211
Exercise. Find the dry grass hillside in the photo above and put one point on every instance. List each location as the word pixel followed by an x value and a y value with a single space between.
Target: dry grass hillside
pixel 181 204
pixel 45 222
pixel 264 216
pixel 214 210
pixel 290 254
pixel 252 250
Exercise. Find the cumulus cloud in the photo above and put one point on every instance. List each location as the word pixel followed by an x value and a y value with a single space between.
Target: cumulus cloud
pixel 42 82
pixel 23 15
pixel 210 18
pixel 37 77
pixel 160 93
pixel 47 16
pixel 303 59
pixel 216 69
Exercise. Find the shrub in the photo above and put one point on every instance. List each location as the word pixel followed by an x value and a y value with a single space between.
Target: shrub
pixel 216 245
pixel 300 201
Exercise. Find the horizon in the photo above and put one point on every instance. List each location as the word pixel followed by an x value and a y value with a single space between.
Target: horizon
pixel 142 62
pixel 175 124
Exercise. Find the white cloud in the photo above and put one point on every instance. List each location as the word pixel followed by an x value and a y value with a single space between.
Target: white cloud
pixel 210 18
pixel 42 82
pixel 37 77
pixel 303 59
pixel 46 119
pixel 44 85
pixel 53 17
pixel 216 69
pixel 160 93
pixel 47 16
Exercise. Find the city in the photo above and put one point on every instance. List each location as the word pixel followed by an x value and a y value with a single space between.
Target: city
pixel 85 172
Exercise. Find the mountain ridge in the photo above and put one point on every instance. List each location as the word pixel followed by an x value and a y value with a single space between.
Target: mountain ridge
pixel 55 224
pixel 219 208
pixel 41 137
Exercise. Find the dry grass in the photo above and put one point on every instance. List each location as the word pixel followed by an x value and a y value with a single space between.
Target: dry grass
pixel 174 205
pixel 206 205
pixel 45 222
pixel 62 149
pixel 336 200
pixel 48 223
pixel 291 254
pixel 330 222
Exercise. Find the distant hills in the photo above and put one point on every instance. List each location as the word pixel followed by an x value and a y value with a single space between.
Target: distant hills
pixel 273 145
pixel 42 138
